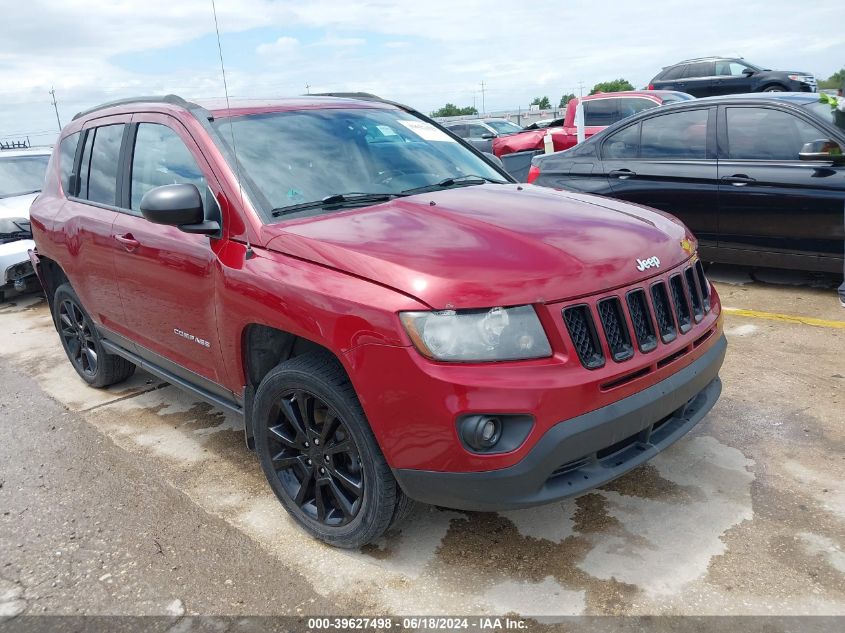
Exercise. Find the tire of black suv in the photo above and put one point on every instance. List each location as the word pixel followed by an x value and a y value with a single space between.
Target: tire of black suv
pixel 320 456
pixel 82 342
pixel 774 88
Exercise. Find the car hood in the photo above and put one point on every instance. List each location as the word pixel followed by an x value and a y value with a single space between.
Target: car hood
pixel 490 245
pixel 16 206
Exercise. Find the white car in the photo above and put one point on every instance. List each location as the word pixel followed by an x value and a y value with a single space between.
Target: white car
pixel 22 173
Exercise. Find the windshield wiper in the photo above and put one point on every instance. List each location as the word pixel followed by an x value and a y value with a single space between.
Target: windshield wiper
pixel 467 179
pixel 335 200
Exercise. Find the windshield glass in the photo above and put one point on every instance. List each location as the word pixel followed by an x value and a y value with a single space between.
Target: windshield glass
pixel 827 114
pixel 22 174
pixel 504 127
pixel 292 158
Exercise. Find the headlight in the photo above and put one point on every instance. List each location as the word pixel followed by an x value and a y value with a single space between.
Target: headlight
pixel 478 335
pixel 803 78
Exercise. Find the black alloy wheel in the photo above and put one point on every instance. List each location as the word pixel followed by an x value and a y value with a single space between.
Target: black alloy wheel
pixel 78 337
pixel 315 458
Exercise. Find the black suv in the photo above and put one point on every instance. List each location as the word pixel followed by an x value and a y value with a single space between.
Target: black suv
pixel 713 76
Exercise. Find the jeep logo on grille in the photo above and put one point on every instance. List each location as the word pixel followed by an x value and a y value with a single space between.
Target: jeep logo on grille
pixel 643 264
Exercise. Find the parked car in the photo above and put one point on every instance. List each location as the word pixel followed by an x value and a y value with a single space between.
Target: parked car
pixel 393 317
pixel 713 76
pixel 600 110
pixel 22 173
pixel 481 132
pixel 759 179
pixel 544 123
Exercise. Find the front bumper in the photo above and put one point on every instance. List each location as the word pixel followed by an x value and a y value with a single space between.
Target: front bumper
pixel 586 451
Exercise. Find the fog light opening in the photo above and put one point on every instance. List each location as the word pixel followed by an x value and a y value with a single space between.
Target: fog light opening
pixel 482 432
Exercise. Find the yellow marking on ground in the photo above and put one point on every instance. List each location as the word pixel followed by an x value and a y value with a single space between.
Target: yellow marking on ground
pixel 786 318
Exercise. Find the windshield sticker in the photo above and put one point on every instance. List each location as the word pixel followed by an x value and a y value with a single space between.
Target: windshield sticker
pixel 427 131
pixel 386 130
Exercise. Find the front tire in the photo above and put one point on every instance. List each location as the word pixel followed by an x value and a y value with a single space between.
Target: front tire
pixel 82 344
pixel 774 88
pixel 319 454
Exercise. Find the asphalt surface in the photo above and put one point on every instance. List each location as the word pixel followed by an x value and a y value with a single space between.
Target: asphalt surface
pixel 137 500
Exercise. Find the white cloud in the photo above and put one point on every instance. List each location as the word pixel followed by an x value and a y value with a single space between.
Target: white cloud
pixel 340 42
pixel 282 46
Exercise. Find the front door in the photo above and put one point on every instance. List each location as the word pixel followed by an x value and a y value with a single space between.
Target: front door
pixel 769 200
pixel 668 162
pixel 168 278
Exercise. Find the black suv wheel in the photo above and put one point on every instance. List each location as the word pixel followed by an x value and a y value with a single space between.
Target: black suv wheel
pixel 319 454
pixel 82 342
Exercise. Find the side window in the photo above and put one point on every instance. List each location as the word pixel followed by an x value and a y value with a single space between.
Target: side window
pixel 459 130
pixel 476 131
pixel 767 134
pixel 676 135
pixel 161 158
pixel 67 153
pixel 699 69
pixel 103 165
pixel 676 72
pixel 601 112
pixel 85 164
pixel 623 144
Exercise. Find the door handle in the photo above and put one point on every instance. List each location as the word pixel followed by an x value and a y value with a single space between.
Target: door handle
pixel 621 174
pixel 128 242
pixel 738 180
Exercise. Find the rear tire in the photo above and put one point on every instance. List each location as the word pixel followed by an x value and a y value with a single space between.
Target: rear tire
pixel 319 454
pixel 774 88
pixel 82 342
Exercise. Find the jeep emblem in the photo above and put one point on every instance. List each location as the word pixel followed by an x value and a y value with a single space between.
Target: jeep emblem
pixel 643 264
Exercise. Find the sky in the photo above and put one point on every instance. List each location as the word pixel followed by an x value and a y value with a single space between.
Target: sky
pixel 424 53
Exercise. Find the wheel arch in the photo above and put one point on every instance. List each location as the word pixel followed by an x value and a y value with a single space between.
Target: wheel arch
pixel 52 276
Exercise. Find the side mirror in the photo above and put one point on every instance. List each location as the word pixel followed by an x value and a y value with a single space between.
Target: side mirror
pixel 494 159
pixel 748 72
pixel 488 135
pixel 178 205
pixel 822 149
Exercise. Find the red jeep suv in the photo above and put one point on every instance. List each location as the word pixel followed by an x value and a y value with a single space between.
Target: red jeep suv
pixel 393 317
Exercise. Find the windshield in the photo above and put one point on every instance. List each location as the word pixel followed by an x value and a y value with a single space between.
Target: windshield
pixel 827 114
pixel 504 127
pixel 22 174
pixel 290 159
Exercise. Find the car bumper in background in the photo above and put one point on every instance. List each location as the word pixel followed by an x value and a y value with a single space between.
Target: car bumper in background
pixel 586 451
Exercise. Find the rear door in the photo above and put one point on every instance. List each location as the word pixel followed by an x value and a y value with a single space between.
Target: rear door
pixel 668 161
pixel 88 215
pixel 699 79
pixel 769 200
pixel 168 278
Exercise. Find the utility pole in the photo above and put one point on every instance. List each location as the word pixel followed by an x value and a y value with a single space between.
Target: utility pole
pixel 56 107
pixel 308 88
pixel 483 105
pixel 581 88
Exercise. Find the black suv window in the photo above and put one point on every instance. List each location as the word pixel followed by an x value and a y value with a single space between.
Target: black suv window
pixel 767 134
pixel 161 158
pixel 676 72
pixel 100 163
pixel 623 144
pixel 67 154
pixel 699 69
pixel 600 112
pixel 675 135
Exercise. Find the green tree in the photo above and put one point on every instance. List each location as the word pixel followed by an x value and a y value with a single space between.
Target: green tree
pixel 450 109
pixel 834 81
pixel 565 99
pixel 543 102
pixel 617 85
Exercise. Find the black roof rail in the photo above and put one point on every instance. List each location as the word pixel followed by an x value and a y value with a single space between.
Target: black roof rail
pixel 170 99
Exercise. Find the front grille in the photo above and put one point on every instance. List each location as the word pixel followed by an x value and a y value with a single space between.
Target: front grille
pixel 615 330
pixel 641 320
pixel 582 330
pixel 663 313
pixel 694 297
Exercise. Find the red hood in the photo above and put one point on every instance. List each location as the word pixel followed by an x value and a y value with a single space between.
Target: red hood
pixel 490 245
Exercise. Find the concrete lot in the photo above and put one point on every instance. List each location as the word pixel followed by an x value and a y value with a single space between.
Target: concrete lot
pixel 138 500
